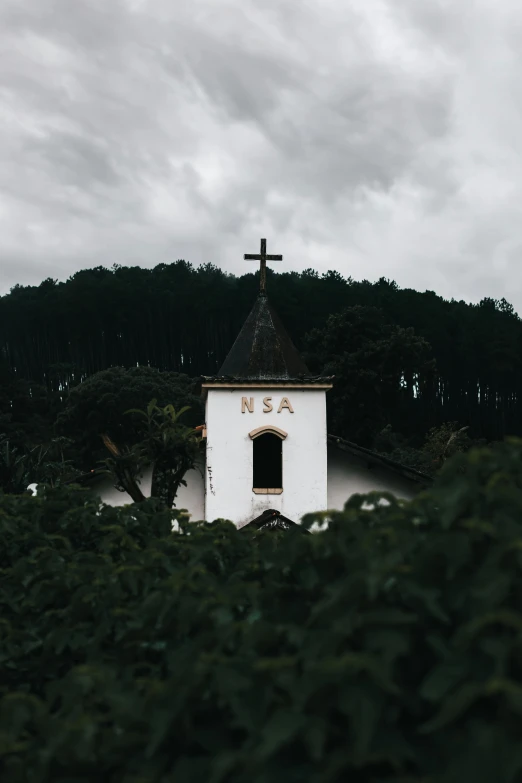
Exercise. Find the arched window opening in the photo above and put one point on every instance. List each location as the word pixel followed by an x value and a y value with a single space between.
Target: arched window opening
pixel 268 464
pixel 268 428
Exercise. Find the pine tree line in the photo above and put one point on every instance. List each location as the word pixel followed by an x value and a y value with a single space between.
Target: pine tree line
pixel 184 319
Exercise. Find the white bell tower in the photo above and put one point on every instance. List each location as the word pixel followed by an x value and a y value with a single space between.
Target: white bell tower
pixel 265 424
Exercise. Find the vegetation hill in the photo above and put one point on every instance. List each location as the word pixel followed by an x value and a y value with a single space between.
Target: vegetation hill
pixel 386 648
pixel 408 365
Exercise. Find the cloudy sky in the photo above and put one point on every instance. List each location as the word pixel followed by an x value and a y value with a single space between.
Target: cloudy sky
pixel 374 137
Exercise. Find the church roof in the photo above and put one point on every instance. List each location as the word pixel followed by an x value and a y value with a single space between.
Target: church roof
pixel 374 460
pixel 263 349
pixel 271 519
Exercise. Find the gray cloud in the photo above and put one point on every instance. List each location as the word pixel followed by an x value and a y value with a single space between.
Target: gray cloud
pixel 375 138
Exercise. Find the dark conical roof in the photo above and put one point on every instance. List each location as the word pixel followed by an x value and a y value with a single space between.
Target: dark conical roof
pixel 263 348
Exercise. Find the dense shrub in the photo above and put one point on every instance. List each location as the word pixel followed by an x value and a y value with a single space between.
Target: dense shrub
pixel 386 648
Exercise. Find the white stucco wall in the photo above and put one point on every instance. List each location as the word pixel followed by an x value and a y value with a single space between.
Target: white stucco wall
pixel 191 497
pixel 348 475
pixel 230 453
pixel 304 462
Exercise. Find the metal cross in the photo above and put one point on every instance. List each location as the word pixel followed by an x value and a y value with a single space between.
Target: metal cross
pixel 263 257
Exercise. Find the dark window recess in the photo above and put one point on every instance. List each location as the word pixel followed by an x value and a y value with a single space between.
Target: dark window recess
pixel 268 462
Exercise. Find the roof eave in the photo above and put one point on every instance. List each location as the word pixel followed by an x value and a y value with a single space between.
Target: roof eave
pixel 226 382
pixel 380 460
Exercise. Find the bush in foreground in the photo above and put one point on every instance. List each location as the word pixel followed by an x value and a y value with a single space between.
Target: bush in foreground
pixel 386 648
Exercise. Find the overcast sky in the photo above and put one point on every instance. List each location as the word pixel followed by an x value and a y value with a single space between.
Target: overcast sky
pixel 374 137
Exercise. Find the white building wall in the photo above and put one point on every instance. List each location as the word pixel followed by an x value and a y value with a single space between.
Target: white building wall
pixel 191 497
pixel 229 465
pixel 348 475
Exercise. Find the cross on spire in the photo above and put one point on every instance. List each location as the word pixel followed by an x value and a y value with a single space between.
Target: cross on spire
pixel 263 257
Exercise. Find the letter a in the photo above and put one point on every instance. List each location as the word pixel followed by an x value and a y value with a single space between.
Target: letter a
pixel 285 403
pixel 246 405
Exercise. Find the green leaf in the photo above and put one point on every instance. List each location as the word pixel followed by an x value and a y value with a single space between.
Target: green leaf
pixel 454 707
pixel 281 729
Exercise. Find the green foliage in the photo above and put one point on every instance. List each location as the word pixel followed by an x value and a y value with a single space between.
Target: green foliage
pixel 376 366
pixel 14 472
pixel 26 409
pixel 165 443
pixel 396 447
pixel 385 648
pixel 181 318
pixel 444 441
pixel 98 406
pixel 440 444
pixel 21 465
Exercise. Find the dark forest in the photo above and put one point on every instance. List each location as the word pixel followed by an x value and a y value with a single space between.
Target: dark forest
pixel 406 363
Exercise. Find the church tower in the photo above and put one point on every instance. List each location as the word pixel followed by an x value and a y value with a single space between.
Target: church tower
pixel 266 431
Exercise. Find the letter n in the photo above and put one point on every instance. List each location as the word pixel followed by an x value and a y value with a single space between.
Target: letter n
pixel 246 405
